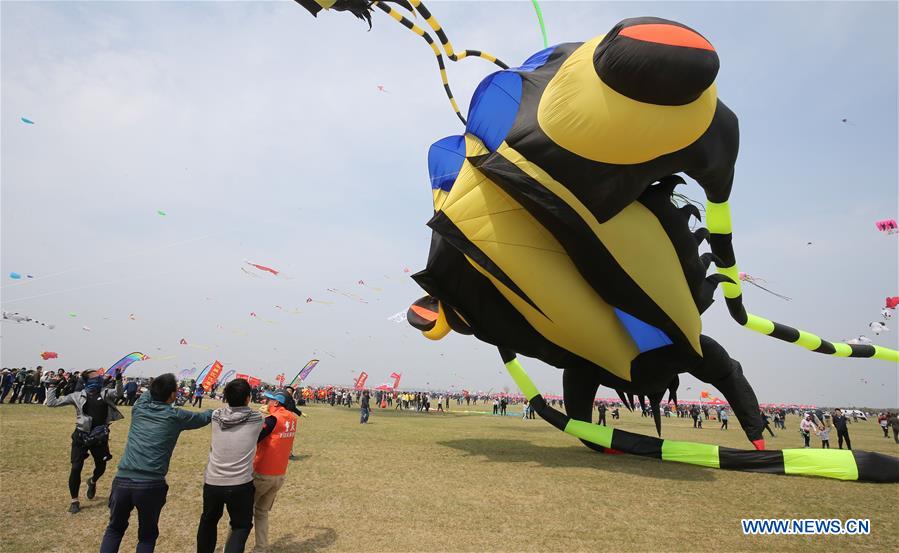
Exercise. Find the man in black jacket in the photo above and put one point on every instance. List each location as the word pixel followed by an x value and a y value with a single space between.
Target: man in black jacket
pixel 291 405
pixel 839 422
pixel 94 410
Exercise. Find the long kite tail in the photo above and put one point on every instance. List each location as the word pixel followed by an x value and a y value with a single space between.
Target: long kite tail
pixel 864 466
pixel 718 221
pixel 445 42
pixel 420 32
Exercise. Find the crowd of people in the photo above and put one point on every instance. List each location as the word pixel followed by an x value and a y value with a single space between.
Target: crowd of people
pixel 251 449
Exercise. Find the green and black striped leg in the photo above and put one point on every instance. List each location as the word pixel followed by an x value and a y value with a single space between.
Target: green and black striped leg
pixel 726 374
pixel 579 388
pixel 829 463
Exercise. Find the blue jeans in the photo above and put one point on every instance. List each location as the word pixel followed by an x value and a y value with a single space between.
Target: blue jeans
pixel 126 494
pixel 363 415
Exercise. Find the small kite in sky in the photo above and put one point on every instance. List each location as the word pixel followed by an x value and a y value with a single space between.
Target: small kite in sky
pixel 381 88
pixel 887 226
pixel 86 328
pixel 49 355
pixel 15 276
pixel 73 315
pixel 745 277
pixel 407 270
pixel 183 342
pixel 892 302
pixel 264 268
pixel 27 121
pixel 132 317
pixel 860 341
pixel 886 313
pixel 878 327
pixel 252 313
pixel 161 212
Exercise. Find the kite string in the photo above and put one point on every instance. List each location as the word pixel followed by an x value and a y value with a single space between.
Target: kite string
pixel 92 285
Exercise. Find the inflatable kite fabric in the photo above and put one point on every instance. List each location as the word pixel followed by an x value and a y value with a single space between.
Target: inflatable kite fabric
pixel 554 225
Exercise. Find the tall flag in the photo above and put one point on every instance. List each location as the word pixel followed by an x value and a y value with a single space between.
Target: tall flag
pixel 396 379
pixel 304 372
pixel 212 376
pixel 360 382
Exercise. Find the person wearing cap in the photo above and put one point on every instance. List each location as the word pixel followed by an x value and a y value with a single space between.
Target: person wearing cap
pixel 270 465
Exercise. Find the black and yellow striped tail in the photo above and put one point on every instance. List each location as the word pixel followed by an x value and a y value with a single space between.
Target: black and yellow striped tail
pixel 445 42
pixel 718 221
pixel 447 46
pixel 863 466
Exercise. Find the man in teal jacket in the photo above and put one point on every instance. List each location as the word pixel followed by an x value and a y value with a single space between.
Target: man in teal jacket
pixel 140 481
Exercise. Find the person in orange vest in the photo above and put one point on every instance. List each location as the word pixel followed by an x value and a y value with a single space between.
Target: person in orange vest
pixel 270 464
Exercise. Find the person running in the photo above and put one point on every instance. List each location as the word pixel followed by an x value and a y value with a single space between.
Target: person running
pixel 228 481
pixel 364 408
pixel 94 410
pixel 270 463
pixel 140 481
pixel 724 418
pixel 840 423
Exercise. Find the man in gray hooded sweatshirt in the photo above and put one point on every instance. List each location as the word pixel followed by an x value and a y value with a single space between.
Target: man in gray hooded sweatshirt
pixel 229 473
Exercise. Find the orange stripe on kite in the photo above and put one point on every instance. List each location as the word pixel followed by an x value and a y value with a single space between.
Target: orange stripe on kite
pixel 425 313
pixel 671 35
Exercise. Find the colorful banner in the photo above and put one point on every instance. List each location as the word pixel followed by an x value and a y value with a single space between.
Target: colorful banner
pixel 253 381
pixel 212 376
pixel 280 379
pixel 360 382
pixel 304 372
pixel 396 379
pixel 125 362
pixel 244 376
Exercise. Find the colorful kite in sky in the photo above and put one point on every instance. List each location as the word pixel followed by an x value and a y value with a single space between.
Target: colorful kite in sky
pixel 126 362
pixel 264 268
pixel 755 282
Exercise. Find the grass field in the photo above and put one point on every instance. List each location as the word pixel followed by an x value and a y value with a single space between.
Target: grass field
pixel 452 482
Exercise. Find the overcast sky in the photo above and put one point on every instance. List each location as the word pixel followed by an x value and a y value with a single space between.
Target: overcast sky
pixel 261 133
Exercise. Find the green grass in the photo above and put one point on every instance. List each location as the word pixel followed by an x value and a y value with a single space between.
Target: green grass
pixel 453 482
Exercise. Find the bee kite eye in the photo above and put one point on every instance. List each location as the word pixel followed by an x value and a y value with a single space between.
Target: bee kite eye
pixel 423 313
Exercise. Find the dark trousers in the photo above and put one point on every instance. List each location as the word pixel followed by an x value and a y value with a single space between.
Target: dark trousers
pixel 80 454
pixel 602 418
pixel 724 424
pixel 239 501
pixel 5 392
pixel 16 388
pixel 841 436
pixel 768 428
pixel 126 494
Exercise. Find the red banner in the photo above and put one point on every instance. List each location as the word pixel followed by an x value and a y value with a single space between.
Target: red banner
pixel 215 371
pixel 396 379
pixel 360 382
pixel 253 381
